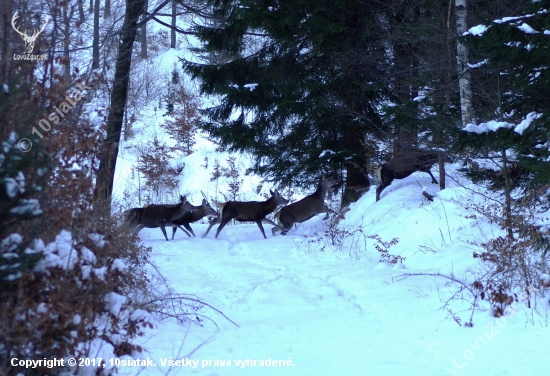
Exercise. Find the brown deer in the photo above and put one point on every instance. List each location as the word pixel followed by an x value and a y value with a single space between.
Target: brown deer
pixel 197 213
pixel 305 209
pixel 401 167
pixel 155 215
pixel 255 211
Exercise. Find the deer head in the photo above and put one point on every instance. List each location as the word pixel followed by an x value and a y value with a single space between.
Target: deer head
pixel 29 40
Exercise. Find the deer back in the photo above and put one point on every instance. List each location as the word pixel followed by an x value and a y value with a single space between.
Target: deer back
pixel 154 215
pixel 197 213
pixel 309 206
pixel 406 165
pixel 252 210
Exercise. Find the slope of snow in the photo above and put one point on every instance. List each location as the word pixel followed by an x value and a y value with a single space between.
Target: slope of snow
pixel 321 303
pixel 320 309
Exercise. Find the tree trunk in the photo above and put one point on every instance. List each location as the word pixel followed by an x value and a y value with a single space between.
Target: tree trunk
pixel 144 34
pixel 107 13
pixel 407 62
pixel 5 71
pixel 507 195
pixel 119 94
pixel 173 31
pixel 462 64
pixel 357 182
pixel 81 16
pixel 448 77
pixel 95 42
pixel 441 162
pixel 91 9
pixel 67 41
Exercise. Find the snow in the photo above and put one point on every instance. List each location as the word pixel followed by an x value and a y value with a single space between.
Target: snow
pixel 527 29
pixel 325 152
pixel 494 125
pixel 524 124
pixel 59 253
pixel 114 302
pixel 477 65
pixel 27 206
pixel 99 240
pixel 87 255
pixel 250 87
pixel 10 243
pixel 100 272
pixel 508 19
pixel 319 305
pixel 15 186
pixel 332 308
pixel 119 265
pixel 477 30
pixel 42 308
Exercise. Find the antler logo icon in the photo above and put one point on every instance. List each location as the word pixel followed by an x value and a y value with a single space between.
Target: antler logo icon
pixel 29 40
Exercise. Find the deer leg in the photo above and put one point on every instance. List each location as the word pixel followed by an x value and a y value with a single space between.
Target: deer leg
pixel 181 228
pixel 270 222
pixel 285 222
pixel 163 230
pixel 386 177
pixel 174 229
pixel 212 223
pixel 433 179
pixel 259 223
pixel 222 225
pixel 327 210
pixel 275 229
pixel 186 225
pixel 379 191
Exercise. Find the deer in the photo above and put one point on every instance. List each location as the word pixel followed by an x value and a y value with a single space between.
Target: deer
pixel 156 215
pixel 401 167
pixel 255 211
pixel 304 209
pixel 197 213
pixel 29 39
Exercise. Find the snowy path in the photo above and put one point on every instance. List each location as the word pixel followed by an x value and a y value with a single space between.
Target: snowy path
pixel 326 313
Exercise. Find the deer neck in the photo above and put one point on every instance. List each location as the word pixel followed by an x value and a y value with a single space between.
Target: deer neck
pixel 179 210
pixel 269 205
pixel 321 190
pixel 199 212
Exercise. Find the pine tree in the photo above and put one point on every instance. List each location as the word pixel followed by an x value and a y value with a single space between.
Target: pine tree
pixel 183 109
pixel 298 86
pixel 515 54
pixel 514 126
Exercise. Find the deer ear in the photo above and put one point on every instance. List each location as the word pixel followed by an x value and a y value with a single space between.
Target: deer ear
pixel 272 193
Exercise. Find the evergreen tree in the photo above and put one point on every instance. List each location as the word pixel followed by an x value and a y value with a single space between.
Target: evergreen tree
pixel 516 112
pixel 299 85
pixel 514 123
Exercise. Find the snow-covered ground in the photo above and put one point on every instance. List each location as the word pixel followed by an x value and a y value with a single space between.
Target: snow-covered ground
pixel 306 306
pixel 338 311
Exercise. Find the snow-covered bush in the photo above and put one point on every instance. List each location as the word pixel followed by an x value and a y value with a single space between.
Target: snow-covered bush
pixel 69 274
